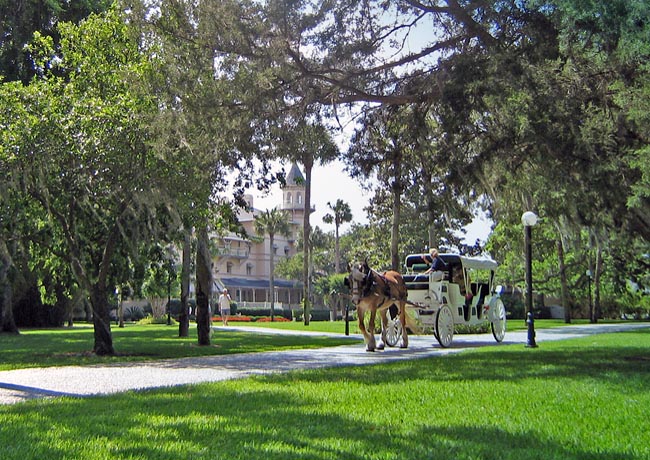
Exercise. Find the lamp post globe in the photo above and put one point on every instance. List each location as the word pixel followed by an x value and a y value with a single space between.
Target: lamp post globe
pixel 529 219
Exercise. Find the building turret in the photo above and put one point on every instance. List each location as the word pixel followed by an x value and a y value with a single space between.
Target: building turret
pixel 293 193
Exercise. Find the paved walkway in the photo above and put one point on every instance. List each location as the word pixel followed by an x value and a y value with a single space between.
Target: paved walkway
pixel 80 381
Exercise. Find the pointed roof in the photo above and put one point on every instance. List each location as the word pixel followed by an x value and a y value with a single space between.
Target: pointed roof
pixel 295 177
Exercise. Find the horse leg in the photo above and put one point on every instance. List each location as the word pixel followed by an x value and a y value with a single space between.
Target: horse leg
pixel 366 336
pixel 371 345
pixel 383 314
pixel 402 318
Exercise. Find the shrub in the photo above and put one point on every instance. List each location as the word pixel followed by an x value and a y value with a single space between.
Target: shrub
pixel 264 312
pixel 514 304
pixel 151 320
pixel 133 313
pixel 315 315
pixel 320 315
pixel 175 307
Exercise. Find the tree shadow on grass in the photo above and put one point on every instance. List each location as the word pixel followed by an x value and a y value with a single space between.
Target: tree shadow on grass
pixel 212 422
pixel 626 367
pixel 262 418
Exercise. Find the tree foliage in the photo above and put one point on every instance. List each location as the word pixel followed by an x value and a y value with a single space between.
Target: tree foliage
pixel 79 137
pixel 508 105
pixel 19 20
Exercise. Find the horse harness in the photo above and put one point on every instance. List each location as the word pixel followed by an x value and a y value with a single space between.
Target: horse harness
pixel 368 286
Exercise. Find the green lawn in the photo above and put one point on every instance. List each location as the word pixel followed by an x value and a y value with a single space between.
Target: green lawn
pixel 339 326
pixel 576 399
pixel 72 346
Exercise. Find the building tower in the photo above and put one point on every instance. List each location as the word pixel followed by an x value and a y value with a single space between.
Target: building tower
pixel 293 194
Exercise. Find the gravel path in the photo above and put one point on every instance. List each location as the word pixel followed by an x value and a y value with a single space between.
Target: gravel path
pixel 81 381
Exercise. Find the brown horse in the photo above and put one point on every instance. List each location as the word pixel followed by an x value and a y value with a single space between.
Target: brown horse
pixel 374 292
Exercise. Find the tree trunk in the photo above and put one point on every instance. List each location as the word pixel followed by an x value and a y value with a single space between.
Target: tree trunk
pixel 432 241
pixel 432 232
pixel 337 250
pixel 590 263
pixel 184 318
pixel 272 275
pixel 597 273
pixel 99 298
pixel 101 321
pixel 88 308
pixel 7 323
pixel 203 287
pixel 120 309
pixel 563 281
pixel 396 191
pixel 306 231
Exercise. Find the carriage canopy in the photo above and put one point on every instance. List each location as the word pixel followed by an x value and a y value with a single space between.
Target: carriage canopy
pixel 415 263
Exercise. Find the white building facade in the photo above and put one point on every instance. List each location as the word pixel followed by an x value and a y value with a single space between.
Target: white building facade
pixel 242 265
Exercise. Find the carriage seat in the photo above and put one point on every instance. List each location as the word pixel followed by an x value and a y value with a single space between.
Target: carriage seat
pixel 419 268
pixel 420 281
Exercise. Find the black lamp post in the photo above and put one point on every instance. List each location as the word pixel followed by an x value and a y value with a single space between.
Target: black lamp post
pixel 529 219
pixel 592 316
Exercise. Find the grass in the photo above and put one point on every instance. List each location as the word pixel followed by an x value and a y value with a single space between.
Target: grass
pixel 339 326
pixel 335 327
pixel 72 346
pixel 576 399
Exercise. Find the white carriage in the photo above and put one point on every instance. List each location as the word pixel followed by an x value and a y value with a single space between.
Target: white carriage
pixel 463 293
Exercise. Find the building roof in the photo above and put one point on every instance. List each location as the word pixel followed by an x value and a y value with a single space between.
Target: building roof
pixel 257 283
pixel 295 177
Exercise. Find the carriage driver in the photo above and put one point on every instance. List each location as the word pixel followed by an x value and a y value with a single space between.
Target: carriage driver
pixel 435 261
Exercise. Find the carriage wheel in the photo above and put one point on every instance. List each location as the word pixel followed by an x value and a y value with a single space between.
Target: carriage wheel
pixel 498 314
pixel 444 326
pixel 393 331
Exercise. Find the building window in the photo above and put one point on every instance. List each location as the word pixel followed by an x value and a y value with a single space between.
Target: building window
pixel 289 198
pixel 299 198
pixel 275 249
pixel 229 267
pixel 286 251
pixel 249 269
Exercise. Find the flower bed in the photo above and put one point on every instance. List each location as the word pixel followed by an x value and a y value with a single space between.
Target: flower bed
pixel 241 319
pixel 276 319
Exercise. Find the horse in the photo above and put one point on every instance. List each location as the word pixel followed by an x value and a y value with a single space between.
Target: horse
pixel 372 291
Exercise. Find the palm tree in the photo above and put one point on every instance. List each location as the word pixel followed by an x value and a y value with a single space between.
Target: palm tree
pixel 342 214
pixel 272 222
pixel 308 143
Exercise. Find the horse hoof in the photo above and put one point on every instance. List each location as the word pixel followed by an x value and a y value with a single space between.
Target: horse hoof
pixel 381 346
pixel 370 349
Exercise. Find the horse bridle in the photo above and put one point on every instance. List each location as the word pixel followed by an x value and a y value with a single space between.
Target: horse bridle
pixel 357 279
pixel 360 283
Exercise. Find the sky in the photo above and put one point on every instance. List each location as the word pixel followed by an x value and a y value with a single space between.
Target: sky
pixel 330 183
